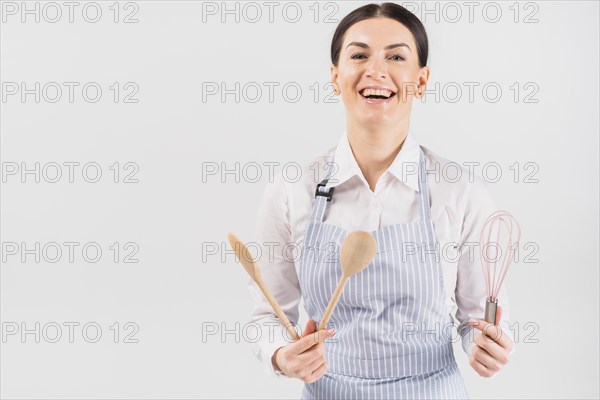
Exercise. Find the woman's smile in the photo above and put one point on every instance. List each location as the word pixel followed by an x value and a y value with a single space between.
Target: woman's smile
pixel 377 95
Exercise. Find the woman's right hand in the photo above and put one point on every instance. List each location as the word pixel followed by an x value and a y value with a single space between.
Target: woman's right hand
pixel 304 359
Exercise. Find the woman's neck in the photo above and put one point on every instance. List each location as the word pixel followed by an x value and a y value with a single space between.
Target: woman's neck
pixel 375 149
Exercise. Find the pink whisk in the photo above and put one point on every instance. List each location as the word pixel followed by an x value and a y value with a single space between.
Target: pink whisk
pixel 494 275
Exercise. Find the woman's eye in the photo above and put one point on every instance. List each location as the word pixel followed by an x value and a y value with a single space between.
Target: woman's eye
pixel 359 56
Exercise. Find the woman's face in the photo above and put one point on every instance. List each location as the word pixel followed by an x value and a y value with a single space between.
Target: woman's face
pixel 379 53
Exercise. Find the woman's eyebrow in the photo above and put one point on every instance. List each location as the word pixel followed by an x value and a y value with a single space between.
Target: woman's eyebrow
pixel 388 47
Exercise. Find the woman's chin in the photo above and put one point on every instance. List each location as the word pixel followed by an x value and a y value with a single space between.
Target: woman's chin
pixel 378 119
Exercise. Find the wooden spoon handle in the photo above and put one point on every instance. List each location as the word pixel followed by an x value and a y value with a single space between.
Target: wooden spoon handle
pixel 333 302
pixel 284 319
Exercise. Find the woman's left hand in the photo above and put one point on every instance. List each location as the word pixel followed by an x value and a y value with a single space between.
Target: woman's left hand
pixel 492 347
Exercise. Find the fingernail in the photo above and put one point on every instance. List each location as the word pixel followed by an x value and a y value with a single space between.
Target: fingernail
pixel 331 331
pixel 473 321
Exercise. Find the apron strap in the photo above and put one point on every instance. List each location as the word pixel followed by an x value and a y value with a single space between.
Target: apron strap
pixel 424 197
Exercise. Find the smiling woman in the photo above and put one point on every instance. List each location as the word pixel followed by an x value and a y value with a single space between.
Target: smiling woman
pixel 394 319
pixel 379 57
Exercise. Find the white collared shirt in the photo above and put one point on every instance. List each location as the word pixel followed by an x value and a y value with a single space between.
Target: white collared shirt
pixel 460 204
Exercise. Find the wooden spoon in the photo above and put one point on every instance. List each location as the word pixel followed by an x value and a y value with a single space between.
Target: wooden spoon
pixel 358 250
pixel 245 258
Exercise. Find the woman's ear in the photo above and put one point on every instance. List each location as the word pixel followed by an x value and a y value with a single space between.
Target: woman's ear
pixel 424 76
pixel 334 73
pixel 334 78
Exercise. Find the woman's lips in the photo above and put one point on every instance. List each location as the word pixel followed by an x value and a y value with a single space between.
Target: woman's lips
pixel 377 101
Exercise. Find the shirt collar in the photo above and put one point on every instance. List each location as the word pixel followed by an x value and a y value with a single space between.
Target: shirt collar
pixel 404 168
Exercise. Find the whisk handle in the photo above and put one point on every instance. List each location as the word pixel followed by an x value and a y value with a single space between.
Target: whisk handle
pixel 490 311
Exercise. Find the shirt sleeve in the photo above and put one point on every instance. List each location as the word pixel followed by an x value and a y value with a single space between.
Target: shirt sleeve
pixel 277 268
pixel 470 289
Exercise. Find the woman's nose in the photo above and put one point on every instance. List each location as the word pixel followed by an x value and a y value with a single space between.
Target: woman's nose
pixel 376 68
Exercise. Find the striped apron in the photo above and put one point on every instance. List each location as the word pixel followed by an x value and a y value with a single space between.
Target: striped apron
pixel 394 337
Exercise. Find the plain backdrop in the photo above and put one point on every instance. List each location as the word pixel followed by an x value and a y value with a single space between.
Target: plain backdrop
pixel 171 324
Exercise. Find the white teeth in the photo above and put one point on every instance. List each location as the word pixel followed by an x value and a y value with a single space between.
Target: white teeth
pixel 372 92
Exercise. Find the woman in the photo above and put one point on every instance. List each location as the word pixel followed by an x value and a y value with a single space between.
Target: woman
pixel 393 322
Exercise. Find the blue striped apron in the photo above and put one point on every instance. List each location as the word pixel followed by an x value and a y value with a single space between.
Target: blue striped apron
pixel 393 337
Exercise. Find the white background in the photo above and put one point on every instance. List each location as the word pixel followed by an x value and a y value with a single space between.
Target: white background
pixel 173 215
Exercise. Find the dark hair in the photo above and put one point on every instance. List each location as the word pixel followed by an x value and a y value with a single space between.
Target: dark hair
pixel 385 10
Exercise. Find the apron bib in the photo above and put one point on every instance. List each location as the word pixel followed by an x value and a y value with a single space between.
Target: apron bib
pixel 394 337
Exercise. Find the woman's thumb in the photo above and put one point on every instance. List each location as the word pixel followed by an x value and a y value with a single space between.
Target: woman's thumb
pixel 311 327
